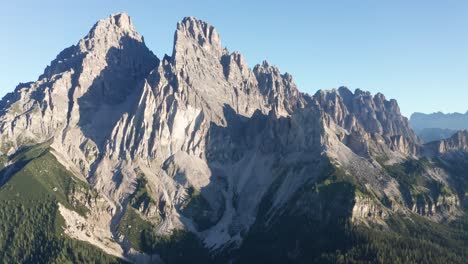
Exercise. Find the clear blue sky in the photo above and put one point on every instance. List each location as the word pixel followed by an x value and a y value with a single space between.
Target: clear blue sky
pixel 412 50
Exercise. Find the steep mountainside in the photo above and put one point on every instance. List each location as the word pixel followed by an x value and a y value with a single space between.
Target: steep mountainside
pixel 197 157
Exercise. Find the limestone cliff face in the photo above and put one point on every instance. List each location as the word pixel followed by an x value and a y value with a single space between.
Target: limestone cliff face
pixel 114 112
pixel 81 94
pixel 372 123
pixel 367 210
pixel 444 206
pixel 212 138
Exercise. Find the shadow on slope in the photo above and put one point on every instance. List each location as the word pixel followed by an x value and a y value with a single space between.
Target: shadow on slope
pixel 111 93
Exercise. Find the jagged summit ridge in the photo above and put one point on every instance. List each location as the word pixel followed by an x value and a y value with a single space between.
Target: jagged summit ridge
pixel 109 32
pixel 191 34
pixel 106 34
pixel 119 23
pixel 372 117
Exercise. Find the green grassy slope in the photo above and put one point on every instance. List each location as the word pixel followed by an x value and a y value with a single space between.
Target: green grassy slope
pixel 31 228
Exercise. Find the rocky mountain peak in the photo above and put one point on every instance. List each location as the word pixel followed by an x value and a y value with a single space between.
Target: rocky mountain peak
pixel 83 91
pixel 359 92
pixel 118 22
pixel 373 116
pixel 345 92
pixel 113 33
pixel 279 89
pixel 196 38
pixel 109 32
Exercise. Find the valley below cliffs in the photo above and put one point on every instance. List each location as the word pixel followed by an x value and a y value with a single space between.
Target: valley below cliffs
pixel 195 157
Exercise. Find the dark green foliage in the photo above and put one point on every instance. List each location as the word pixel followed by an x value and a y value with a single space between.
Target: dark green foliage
pixel 20 240
pixel 296 241
pixel 408 173
pixel 141 196
pixel 414 240
pixel 334 174
pixel 414 185
pixel 3 161
pixel 31 228
pixel 457 166
pixel 133 226
pixel 178 247
pixel 38 175
pixel 293 238
pixel 315 222
pixel 316 228
pixel 198 208
pixel 31 233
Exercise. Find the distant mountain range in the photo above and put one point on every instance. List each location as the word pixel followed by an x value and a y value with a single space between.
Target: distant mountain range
pixel 115 155
pixel 436 126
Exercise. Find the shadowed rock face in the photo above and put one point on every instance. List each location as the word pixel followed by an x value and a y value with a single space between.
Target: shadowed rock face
pixel 212 138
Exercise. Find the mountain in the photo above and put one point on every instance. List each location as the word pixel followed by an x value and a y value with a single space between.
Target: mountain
pixel 435 134
pixel 457 142
pixel 197 157
pixel 436 126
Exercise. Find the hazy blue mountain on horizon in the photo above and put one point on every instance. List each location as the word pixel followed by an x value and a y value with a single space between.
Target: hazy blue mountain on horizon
pixel 434 134
pixel 436 126
pixel 453 121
